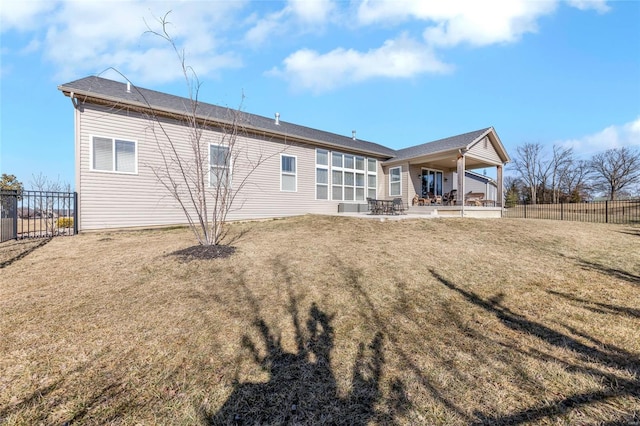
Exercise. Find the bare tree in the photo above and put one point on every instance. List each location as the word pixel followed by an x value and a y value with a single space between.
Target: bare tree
pixel 528 161
pixel 561 163
pixel 574 182
pixel 201 179
pixel 615 169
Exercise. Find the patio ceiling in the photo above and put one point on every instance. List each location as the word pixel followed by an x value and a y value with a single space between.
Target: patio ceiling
pixel 446 161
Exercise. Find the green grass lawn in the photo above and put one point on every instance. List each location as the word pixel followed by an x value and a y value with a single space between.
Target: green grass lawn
pixel 326 320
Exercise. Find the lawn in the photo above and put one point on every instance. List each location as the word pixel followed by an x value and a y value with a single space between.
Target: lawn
pixel 326 320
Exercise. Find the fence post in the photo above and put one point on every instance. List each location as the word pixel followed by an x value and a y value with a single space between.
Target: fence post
pixel 606 211
pixel 525 210
pixel 75 213
pixel 561 211
pixel 15 216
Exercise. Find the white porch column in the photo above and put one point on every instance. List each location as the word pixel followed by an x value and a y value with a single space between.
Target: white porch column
pixel 460 170
pixel 500 199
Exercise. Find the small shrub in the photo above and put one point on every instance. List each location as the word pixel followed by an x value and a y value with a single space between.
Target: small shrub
pixel 65 222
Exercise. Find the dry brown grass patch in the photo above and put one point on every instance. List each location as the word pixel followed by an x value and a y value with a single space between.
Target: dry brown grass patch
pixel 327 320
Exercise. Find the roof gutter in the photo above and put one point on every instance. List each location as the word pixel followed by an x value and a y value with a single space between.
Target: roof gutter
pixel 74 100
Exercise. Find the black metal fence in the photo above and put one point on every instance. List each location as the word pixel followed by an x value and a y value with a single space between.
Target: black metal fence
pixel 38 214
pixel 618 211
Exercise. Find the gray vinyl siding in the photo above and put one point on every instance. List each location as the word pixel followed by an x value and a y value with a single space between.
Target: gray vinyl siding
pixel 475 184
pixel 114 200
pixel 404 179
pixel 484 150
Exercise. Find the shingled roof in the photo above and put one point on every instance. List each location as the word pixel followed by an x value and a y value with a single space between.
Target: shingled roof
pixel 116 92
pixel 441 145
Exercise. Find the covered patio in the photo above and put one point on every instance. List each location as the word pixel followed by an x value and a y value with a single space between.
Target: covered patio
pixel 449 176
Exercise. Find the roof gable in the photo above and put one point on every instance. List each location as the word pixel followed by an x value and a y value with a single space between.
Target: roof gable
pixel 441 145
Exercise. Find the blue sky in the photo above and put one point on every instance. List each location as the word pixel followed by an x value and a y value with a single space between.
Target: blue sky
pixel 400 72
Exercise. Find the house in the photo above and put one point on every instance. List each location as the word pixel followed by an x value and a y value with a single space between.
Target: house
pixel 303 170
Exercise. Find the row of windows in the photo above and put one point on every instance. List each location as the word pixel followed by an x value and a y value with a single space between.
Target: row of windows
pixel 348 178
pixel 115 155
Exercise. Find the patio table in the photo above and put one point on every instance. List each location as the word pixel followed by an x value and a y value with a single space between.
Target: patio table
pixel 382 207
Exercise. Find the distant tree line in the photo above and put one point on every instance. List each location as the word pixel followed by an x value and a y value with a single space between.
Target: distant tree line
pixel 542 176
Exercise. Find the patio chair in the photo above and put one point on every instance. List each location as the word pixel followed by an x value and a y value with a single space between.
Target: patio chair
pixel 374 206
pixel 450 197
pixel 398 206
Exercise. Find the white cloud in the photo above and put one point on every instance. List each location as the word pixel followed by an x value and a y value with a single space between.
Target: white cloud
pixel 598 5
pixel 478 23
pixel 461 21
pixel 312 11
pixel 265 28
pixel 86 37
pixel 297 15
pixel 399 58
pixel 446 24
pixel 33 46
pixel 23 15
pixel 614 136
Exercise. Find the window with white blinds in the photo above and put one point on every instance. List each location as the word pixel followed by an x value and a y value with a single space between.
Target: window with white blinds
pixel 113 155
pixel 345 177
pixel 288 174
pixel 219 166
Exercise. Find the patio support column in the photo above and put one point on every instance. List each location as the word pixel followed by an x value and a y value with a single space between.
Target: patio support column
pixel 460 164
pixel 500 197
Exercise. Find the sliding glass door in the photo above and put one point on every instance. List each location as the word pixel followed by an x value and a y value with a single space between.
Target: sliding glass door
pixel 431 182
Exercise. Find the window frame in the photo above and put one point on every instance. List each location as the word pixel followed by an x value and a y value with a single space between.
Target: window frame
pixel 374 173
pixel 228 166
pixel 399 181
pixel 326 167
pixel 294 174
pixel 367 168
pixel 113 139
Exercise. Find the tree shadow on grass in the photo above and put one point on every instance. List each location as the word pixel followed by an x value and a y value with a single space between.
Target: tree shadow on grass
pixel 369 312
pixel 617 273
pixel 19 250
pixel 598 307
pixel 45 400
pixel 302 388
pixel 631 231
pixel 612 357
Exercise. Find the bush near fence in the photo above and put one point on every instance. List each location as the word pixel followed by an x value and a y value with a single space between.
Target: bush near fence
pixel 618 211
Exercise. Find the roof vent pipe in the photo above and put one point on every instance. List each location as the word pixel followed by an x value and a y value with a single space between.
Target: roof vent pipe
pixel 353 135
pixel 277 118
pixel 128 87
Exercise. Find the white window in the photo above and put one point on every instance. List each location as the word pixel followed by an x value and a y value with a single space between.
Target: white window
pixel 219 161
pixel 114 155
pixel 345 177
pixel 288 174
pixel 336 182
pixel 395 181
pixel 322 174
pixel 336 159
pixel 372 178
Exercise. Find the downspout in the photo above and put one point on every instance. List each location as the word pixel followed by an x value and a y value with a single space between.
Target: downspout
pixel 76 130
